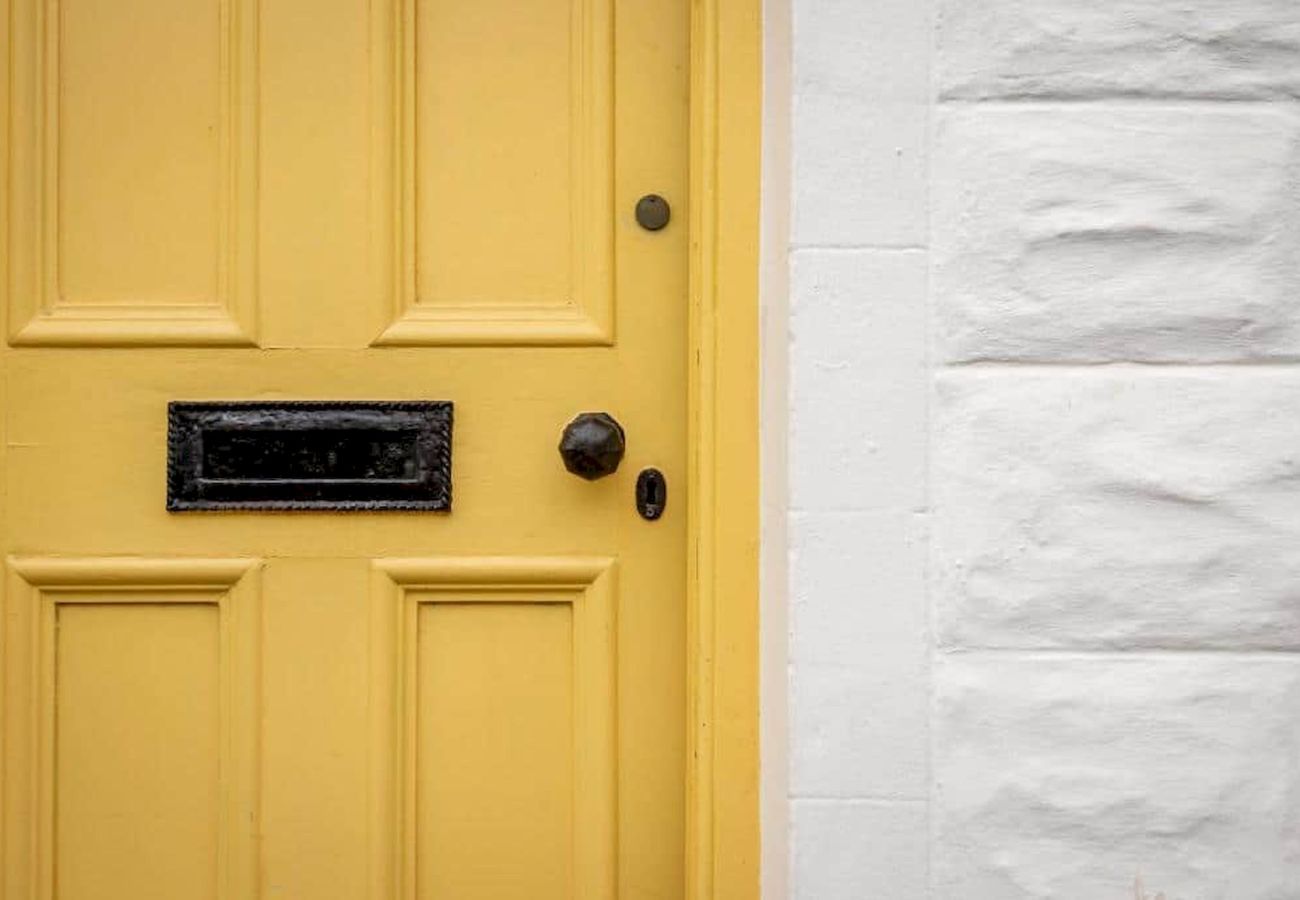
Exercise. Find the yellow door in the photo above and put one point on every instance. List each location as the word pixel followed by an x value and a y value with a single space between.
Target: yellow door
pixel 342 200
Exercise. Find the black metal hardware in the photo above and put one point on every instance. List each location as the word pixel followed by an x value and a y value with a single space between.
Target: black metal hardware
pixel 366 455
pixel 651 494
pixel 592 445
pixel 652 212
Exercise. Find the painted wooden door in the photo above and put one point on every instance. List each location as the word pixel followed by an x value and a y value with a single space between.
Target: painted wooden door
pixel 343 200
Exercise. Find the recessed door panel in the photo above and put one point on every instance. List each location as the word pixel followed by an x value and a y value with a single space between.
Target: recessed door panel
pixel 518 802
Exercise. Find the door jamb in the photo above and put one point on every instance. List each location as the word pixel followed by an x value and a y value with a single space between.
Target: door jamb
pixel 722 789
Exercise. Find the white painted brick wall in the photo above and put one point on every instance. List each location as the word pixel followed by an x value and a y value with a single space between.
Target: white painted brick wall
pixel 1044 449
pixel 859 774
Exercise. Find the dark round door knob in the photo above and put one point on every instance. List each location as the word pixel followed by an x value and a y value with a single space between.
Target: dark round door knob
pixel 592 445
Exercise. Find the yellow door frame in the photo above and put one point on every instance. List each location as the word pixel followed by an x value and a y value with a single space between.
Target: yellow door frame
pixel 722 808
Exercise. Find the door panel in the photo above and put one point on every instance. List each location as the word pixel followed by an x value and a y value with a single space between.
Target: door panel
pixel 234 200
pixel 530 171
pixel 519 802
pixel 131 712
pixel 133 164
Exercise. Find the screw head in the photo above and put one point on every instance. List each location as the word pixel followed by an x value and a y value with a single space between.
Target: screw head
pixel 652 212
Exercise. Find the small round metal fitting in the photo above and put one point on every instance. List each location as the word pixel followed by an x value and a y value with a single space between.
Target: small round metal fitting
pixel 592 445
pixel 652 212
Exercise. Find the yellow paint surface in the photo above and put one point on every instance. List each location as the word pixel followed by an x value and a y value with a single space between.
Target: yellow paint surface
pixel 494 761
pixel 136 813
pixel 319 199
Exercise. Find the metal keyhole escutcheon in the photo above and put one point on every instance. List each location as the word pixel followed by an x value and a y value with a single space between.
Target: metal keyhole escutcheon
pixel 651 494
pixel 652 212
pixel 592 445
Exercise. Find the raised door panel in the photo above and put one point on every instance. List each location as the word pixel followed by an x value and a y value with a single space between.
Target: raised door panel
pixel 502 124
pixel 130 728
pixel 132 204
pixel 500 774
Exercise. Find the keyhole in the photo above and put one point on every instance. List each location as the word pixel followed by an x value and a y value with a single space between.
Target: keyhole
pixel 651 494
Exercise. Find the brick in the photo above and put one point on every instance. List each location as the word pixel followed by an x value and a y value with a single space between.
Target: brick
pixel 857 419
pixel 857 585
pixel 1068 233
pixel 1136 510
pixel 1071 776
pixel 862 726
pixel 880 50
pixel 1143 48
pixel 846 850
pixel 859 171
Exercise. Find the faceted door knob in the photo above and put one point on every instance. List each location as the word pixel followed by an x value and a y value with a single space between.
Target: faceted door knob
pixel 592 445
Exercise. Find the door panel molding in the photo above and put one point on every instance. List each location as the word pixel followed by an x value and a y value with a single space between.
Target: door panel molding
pixel 41 308
pixel 587 587
pixel 41 589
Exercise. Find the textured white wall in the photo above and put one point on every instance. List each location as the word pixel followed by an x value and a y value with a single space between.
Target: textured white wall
pixel 1044 473
pixel 859 776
